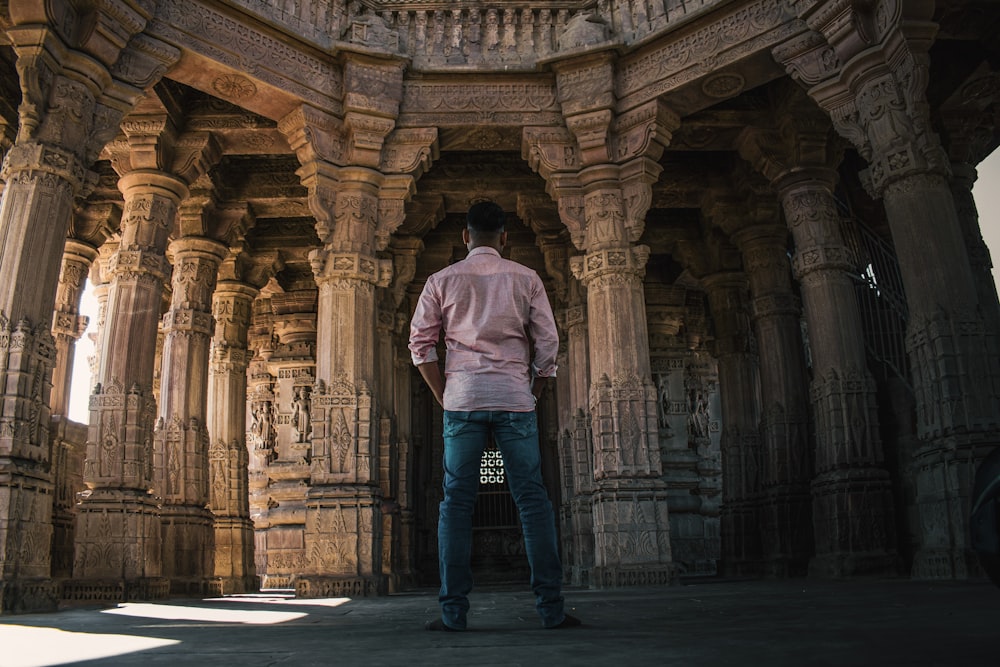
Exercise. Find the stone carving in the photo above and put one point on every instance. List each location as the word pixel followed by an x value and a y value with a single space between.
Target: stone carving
pixel 584 30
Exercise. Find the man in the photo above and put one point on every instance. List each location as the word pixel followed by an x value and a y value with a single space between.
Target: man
pixel 491 310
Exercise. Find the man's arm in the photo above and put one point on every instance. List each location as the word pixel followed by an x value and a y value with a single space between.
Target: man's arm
pixel 545 336
pixel 431 373
pixel 425 329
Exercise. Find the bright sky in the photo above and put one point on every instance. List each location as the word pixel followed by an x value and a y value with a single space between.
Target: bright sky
pixel 986 192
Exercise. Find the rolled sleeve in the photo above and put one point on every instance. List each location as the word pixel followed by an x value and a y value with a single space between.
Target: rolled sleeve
pixel 425 327
pixel 543 333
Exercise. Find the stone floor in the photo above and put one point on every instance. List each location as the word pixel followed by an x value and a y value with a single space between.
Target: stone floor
pixel 746 623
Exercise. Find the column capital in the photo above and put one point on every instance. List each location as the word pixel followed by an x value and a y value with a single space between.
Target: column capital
pixel 153 143
pixel 870 74
pixel 627 263
pixel 410 150
pixel 330 267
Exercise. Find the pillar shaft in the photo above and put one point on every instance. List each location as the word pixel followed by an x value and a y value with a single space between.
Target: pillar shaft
pixel 67 323
pixel 35 211
pixel 953 350
pixel 630 518
pixel 786 465
pixel 181 441
pixel 228 457
pixel 343 517
pixel 850 470
pixel 739 388
pixel 118 540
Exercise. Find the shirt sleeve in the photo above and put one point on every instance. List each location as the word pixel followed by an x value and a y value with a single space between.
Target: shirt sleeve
pixel 543 332
pixel 425 327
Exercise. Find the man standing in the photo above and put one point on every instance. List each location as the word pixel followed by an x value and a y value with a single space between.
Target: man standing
pixel 492 311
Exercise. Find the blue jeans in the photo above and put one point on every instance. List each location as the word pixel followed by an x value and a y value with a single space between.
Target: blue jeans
pixel 516 436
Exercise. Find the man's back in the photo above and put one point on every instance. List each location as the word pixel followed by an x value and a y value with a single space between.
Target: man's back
pixel 491 310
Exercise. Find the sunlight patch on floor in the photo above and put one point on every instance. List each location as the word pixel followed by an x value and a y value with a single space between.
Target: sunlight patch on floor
pixel 24 646
pixel 184 613
pixel 263 598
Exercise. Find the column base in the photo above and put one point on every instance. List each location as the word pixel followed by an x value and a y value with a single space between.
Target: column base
pixel 239 585
pixel 28 596
pixel 196 587
pixel 115 590
pixel 654 574
pixel 580 576
pixel 945 564
pixel 851 564
pixel 319 586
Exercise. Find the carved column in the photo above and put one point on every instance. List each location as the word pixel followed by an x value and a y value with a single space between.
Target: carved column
pixel 970 127
pixel 181 441
pixel 575 442
pixel 118 527
pixel 72 101
pixel 67 438
pixel 359 171
pixel 853 516
pixel 870 74
pixel 100 280
pixel 631 528
pixel 343 514
pixel 395 427
pixel 228 457
pixel 67 323
pixel 850 467
pixel 786 449
pixel 742 551
pixel 600 170
pixel 261 427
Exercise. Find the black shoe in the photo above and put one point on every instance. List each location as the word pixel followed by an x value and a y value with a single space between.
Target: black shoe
pixel 568 622
pixel 439 625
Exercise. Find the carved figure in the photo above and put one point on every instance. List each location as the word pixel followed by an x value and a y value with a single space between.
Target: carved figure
pixel 262 425
pixel 698 415
pixel 663 404
pixel 492 29
pixel 301 424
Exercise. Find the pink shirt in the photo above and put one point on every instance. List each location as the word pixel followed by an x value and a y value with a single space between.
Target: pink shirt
pixel 492 310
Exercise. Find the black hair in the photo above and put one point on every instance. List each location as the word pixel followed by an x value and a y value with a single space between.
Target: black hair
pixel 485 217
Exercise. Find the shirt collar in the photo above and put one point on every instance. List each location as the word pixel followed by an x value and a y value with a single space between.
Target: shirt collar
pixel 483 249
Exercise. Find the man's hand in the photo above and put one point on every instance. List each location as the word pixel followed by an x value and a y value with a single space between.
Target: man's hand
pixel 431 373
pixel 537 386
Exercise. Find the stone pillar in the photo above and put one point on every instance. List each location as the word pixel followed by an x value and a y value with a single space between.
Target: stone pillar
pixel 358 178
pixel 575 441
pixel 181 441
pixel 261 427
pixel 963 176
pixel 742 552
pixel 600 169
pixel 228 457
pixel 118 540
pixel 67 438
pixel 344 519
pixel 100 279
pixel 850 467
pixel 876 96
pixel 853 516
pixel 631 527
pixel 67 323
pixel 786 448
